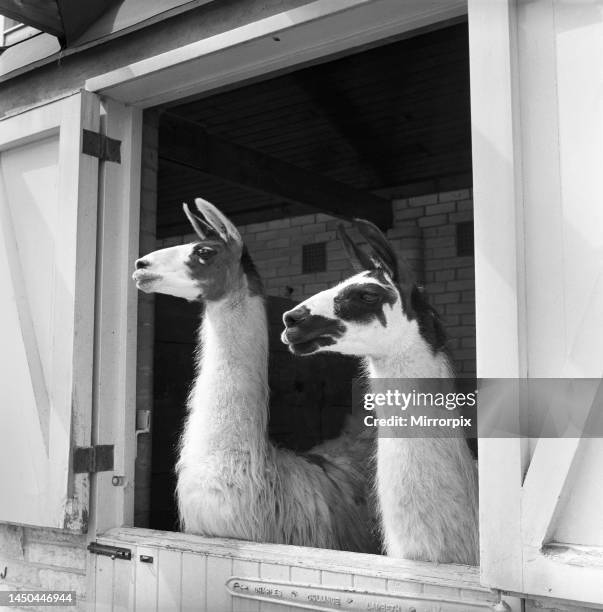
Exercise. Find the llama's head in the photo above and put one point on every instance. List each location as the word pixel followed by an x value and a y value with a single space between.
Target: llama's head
pixel 208 269
pixel 370 313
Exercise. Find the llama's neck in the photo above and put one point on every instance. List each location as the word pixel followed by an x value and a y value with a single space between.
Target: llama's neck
pixel 410 357
pixel 228 402
pixel 410 364
pixel 427 487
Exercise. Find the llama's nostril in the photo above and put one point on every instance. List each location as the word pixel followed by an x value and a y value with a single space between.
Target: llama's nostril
pixel 297 315
pixel 142 263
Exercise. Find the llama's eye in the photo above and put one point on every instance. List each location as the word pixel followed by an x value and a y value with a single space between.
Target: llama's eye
pixel 205 253
pixel 369 298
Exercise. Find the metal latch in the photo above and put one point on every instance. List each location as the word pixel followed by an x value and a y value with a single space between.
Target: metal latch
pixel 110 551
pixel 143 422
pixel 101 146
pixel 91 459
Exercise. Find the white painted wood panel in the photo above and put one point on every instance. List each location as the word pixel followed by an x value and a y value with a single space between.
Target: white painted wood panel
pixel 312 31
pixel 48 196
pixel 580 520
pixel 336 578
pixel 305 574
pixel 29 177
pixel 208 565
pixel 277 573
pixel 114 390
pixel 560 46
pixel 219 570
pixel 105 580
pixel 499 282
pixel 169 579
pixel 194 582
pixel 578 36
pixel 245 569
pixel 539 237
pixel 369 583
pixel 115 325
pixel 147 578
pixel 124 584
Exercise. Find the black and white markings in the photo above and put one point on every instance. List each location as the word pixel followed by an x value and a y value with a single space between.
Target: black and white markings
pixel 305 333
pixel 364 302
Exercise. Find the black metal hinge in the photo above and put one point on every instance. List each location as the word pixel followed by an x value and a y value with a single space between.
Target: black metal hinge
pixel 110 551
pixel 101 146
pixel 89 459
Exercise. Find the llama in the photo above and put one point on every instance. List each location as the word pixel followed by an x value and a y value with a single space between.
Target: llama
pixel 232 481
pixel 426 487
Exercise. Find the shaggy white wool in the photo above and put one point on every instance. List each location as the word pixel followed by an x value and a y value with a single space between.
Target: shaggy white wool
pixel 232 482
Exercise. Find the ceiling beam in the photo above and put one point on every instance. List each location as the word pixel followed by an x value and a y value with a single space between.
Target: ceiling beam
pixel 373 149
pixel 186 143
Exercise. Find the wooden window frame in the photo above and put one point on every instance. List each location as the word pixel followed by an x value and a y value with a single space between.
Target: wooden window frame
pixel 253 50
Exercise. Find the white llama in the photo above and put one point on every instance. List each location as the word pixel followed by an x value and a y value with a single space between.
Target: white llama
pixel 426 487
pixel 232 482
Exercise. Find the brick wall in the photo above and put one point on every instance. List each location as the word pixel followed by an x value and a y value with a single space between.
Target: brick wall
pixel 424 233
pixel 449 279
pixel 36 558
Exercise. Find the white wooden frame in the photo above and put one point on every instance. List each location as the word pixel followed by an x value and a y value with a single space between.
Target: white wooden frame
pixel 523 561
pixel 306 34
pixel 499 280
pixel 298 36
pixel 187 570
pixel 521 323
pixel 114 396
pixel 320 28
pixel 104 382
pixel 504 86
pixel 115 330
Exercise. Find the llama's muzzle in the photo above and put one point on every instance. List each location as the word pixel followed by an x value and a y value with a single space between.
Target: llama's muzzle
pixel 145 280
pixel 306 333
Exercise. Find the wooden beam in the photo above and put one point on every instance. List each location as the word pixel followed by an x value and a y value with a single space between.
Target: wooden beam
pixel 375 150
pixel 184 142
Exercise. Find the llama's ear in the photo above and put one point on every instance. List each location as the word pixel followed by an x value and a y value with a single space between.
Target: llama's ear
pixel 202 229
pixel 359 259
pixel 218 221
pixel 382 251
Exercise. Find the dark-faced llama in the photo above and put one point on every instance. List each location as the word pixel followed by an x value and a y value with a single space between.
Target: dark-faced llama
pixel 426 487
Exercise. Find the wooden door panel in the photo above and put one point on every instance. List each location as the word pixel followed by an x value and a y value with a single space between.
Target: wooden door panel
pixel 48 191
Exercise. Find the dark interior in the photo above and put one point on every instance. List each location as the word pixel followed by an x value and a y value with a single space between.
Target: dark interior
pixel 393 117
pixel 391 121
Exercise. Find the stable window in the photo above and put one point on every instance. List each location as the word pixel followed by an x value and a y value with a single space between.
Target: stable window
pixel 322 131
pixel 326 147
pixel 153 569
pixel 497 55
